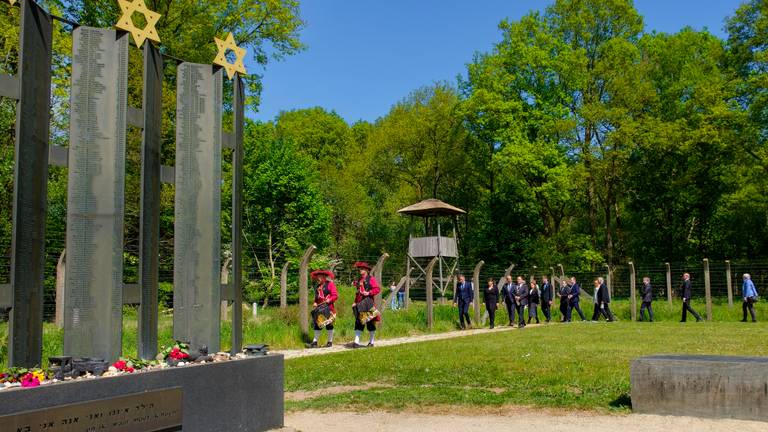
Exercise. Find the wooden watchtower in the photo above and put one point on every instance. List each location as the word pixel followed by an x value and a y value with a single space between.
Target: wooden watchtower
pixel 429 242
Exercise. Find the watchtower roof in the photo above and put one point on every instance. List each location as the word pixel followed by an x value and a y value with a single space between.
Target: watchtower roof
pixel 430 208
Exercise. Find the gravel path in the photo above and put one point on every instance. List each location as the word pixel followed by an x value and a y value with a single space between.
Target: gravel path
pixel 289 354
pixel 519 419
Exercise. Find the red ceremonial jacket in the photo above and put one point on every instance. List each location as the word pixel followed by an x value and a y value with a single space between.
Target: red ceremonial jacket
pixel 328 293
pixel 367 284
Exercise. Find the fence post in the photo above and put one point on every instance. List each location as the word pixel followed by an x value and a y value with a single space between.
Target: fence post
pixel 707 289
pixel 476 282
pixel 377 273
pixel 284 286
pixel 562 271
pixel 632 292
pixel 608 282
pixel 407 281
pixel 669 284
pixel 729 282
pixel 303 291
pixel 225 281
pixel 430 282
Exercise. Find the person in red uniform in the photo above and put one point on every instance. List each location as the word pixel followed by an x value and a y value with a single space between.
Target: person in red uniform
pixel 325 293
pixel 366 287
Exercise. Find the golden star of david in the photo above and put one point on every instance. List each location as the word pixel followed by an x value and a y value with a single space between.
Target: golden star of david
pixel 126 22
pixel 221 59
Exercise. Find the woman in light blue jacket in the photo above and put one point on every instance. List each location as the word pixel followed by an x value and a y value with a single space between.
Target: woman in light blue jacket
pixel 749 293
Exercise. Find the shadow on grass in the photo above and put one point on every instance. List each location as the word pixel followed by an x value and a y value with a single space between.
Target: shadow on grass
pixel 624 401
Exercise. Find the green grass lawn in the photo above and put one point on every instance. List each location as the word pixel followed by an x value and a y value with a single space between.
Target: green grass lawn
pixel 574 366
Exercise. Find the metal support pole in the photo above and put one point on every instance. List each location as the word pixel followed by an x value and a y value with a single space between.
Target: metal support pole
pixel 303 291
pixel 632 292
pixel 284 286
pixel 707 289
pixel 407 280
pixel 477 285
pixel 440 264
pixel 430 283
pixel 729 282
pixel 149 225
pixel 238 107
pixel 669 284
pixel 30 187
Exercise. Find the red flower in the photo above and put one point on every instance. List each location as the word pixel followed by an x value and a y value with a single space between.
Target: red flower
pixel 120 365
pixel 178 354
pixel 29 380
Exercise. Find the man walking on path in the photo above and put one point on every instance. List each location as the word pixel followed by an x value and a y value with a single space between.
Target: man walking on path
pixel 749 293
pixel 685 293
pixel 647 295
pixel 463 295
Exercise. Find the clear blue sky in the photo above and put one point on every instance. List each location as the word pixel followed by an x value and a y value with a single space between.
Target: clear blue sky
pixel 365 55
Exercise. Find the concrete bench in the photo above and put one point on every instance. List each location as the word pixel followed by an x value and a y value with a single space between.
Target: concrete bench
pixel 701 386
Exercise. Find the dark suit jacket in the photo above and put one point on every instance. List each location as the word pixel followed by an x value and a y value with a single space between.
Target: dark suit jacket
pixel 575 292
pixel 685 289
pixel 602 294
pixel 508 292
pixel 647 293
pixel 465 292
pixel 522 292
pixel 546 293
pixel 491 295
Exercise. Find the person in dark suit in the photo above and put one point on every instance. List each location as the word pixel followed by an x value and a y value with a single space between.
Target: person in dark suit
pixel 463 295
pixel 573 300
pixel 647 296
pixel 685 293
pixel 491 299
pixel 604 300
pixel 546 299
pixel 508 295
pixel 565 291
pixel 534 297
pixel 595 301
pixel 521 300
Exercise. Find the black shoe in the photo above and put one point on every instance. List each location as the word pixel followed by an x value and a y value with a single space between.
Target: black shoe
pixel 313 344
pixel 682 321
pixel 370 345
pixel 491 327
pixel 357 345
pixel 744 320
pixel 537 322
pixel 521 326
pixel 329 344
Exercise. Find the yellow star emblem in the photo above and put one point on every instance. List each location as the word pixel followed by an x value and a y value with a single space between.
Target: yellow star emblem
pixel 126 21
pixel 221 57
pixel 12 2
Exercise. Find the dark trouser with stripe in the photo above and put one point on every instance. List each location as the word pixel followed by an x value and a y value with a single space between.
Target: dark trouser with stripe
pixel 749 304
pixel 643 307
pixel 546 310
pixel 533 312
pixel 571 307
pixel 687 308
pixel 510 311
pixel 563 310
pixel 491 308
pixel 521 314
pixel 596 312
pixel 464 313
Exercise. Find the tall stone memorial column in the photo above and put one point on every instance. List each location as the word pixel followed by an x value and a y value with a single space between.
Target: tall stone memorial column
pixel 95 196
pixel 197 235
pixel 33 91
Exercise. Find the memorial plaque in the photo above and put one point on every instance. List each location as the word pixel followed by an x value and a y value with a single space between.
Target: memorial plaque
pixel 197 236
pixel 153 411
pixel 95 201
